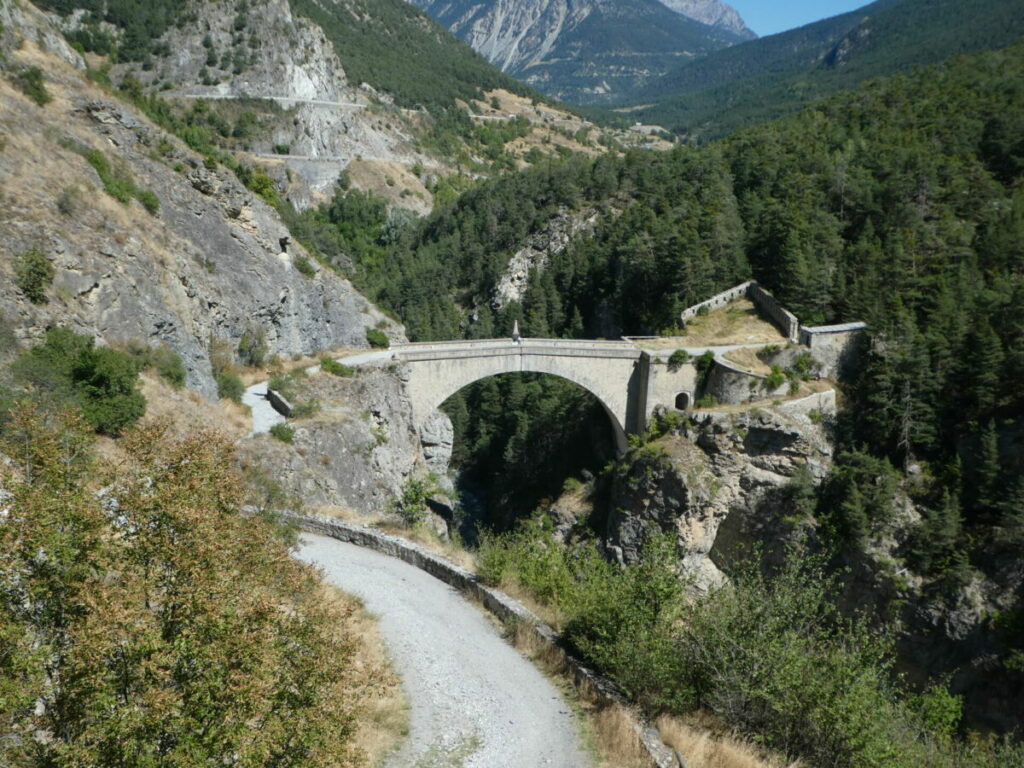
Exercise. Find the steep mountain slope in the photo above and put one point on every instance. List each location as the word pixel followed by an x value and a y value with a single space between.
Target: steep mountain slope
pixel 583 52
pixel 146 241
pixel 764 78
pixel 715 14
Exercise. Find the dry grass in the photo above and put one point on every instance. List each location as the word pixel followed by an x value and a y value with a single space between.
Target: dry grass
pixel 607 730
pixel 738 322
pixel 381 708
pixel 278 366
pixel 703 746
pixel 188 411
pixel 748 360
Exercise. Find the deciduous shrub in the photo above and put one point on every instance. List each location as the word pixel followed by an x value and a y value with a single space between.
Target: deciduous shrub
pixel 282 432
pixel 377 338
pixel 30 82
pixel 678 359
pixel 33 274
pixel 160 634
pixel 69 370
pixel 335 368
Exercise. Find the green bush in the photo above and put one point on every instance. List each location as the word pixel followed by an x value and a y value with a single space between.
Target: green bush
pixel 411 506
pixel 33 274
pixel 230 385
pixel 775 379
pixel 118 182
pixel 69 370
pixel 168 365
pixel 707 401
pixel 149 201
pixel 304 265
pixel 30 82
pixel 252 347
pixel 305 410
pixel 377 339
pixel 335 368
pixel 107 383
pixel 282 432
pixel 678 359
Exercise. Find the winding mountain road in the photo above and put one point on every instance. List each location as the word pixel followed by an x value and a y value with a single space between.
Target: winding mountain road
pixel 476 702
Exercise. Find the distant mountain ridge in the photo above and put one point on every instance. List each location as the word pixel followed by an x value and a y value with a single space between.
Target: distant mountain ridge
pixel 761 79
pixel 715 14
pixel 585 51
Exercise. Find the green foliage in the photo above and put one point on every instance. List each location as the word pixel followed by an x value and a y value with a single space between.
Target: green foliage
pixel 775 379
pixel 252 346
pixel 118 182
pixel 159 634
pixel 770 654
pixel 511 434
pixel 392 46
pixel 411 506
pixel 677 359
pixel 68 370
pixel 304 265
pixel 335 368
pixel 282 432
pixel 140 24
pixel 377 339
pixel 31 82
pixel 858 496
pixel 33 274
pixel 168 365
pixel 222 363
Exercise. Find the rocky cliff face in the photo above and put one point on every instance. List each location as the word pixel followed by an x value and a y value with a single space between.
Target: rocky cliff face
pixel 357 451
pixel 722 485
pixel 563 229
pixel 717 484
pixel 287 59
pixel 715 14
pixel 583 51
pixel 209 263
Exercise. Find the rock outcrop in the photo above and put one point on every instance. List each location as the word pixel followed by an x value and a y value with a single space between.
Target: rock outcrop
pixel 281 57
pixel 359 449
pixel 715 14
pixel 715 483
pixel 564 228
pixel 202 263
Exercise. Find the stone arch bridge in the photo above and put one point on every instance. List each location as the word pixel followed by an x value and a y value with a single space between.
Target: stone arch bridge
pixel 615 372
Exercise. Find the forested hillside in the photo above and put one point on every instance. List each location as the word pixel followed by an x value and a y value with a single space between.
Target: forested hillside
pixel 899 204
pixel 763 79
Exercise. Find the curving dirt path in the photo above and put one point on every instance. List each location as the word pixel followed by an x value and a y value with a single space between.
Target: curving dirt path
pixel 476 703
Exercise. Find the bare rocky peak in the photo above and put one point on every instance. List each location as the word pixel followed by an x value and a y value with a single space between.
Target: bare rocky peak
pixel 714 13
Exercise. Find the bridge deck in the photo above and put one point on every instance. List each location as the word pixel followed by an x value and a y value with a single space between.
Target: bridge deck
pixel 424 351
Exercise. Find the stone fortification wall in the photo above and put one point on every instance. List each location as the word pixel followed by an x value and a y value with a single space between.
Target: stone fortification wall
pixel 731 385
pixel 784 319
pixel 717 301
pixel 834 347
pixel 505 608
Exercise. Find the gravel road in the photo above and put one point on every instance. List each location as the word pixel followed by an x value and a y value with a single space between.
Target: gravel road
pixel 476 703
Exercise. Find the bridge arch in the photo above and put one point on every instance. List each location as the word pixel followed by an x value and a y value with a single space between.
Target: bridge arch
pixel 610 371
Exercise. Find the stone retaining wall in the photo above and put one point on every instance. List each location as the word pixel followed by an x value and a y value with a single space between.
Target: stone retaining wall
pixel 784 319
pixel 505 608
pixel 718 300
pixel 279 403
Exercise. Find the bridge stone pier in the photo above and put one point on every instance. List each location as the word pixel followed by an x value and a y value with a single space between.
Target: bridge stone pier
pixel 615 372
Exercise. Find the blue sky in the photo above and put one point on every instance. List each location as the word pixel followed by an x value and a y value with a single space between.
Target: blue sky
pixel 766 17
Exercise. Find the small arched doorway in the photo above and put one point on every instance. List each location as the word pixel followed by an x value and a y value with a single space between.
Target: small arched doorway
pixel 683 401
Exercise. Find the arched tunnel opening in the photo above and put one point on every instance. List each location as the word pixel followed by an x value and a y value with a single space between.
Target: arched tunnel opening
pixel 518 438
